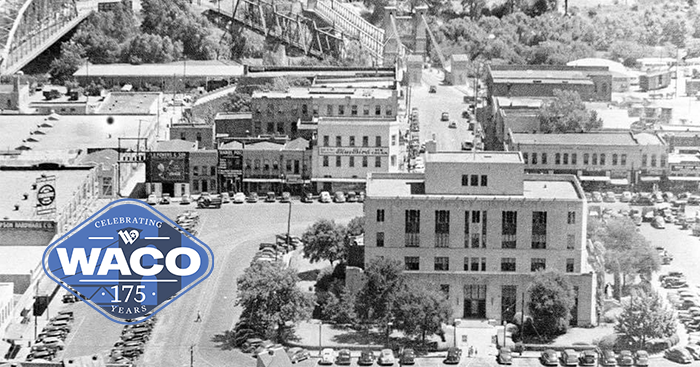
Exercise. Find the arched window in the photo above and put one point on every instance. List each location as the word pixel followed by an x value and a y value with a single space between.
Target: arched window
pixel 557 158
pixel 585 158
pixel 614 159
pixel 602 159
pixel 594 159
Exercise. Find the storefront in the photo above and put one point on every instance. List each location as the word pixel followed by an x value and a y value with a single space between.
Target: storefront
pixel 167 172
pixel 230 170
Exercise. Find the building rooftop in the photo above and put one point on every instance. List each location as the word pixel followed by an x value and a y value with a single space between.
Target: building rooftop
pixel 326 92
pixel 681 158
pixel 14 183
pixel 520 102
pixel 106 158
pixel 358 120
pixel 615 139
pixel 132 103
pixel 234 116
pixel 474 157
pixel 191 68
pixel 539 74
pixel 264 145
pixel 233 145
pixel 71 131
pixel 23 260
pixel 297 144
pixel 32 157
pixel 175 146
pixel 321 71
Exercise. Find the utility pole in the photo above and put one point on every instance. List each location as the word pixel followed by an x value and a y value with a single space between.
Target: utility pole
pixel 192 355
pixel 289 222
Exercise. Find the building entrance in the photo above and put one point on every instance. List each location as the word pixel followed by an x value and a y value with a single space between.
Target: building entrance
pixel 474 301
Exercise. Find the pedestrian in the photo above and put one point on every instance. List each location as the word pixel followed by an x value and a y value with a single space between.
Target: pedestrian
pixel 199 317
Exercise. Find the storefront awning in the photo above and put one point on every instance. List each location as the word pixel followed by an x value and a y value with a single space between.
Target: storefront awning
pixel 594 178
pixel 684 178
pixel 262 180
pixel 340 180
pixel 619 181
pixel 650 178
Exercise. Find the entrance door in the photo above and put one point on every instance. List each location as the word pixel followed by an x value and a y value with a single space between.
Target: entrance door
pixel 508 302
pixel 474 301
pixel 205 186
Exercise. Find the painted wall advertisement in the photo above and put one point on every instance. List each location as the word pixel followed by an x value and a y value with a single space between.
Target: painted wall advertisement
pixel 354 151
pixel 167 166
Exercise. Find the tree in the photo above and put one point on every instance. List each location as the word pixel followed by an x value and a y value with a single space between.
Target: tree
pixel 325 240
pixel 473 8
pixel 384 282
pixel 566 113
pixel 645 317
pixel 356 226
pixel 269 295
pixel 63 68
pixel 421 310
pixel 152 49
pixel 340 309
pixel 551 301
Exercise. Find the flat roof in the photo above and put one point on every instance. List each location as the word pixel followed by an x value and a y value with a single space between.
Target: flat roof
pixel 360 120
pixel 520 102
pixel 560 75
pixel 326 92
pixel 680 158
pixel 20 259
pixel 175 145
pixel 618 139
pixel 73 131
pixel 535 80
pixel 233 116
pixel 190 68
pixel 137 103
pixel 14 183
pixel 474 157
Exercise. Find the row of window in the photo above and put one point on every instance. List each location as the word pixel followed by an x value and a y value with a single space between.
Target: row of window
pixel 351 141
pixel 292 165
pixel 330 110
pixel 475 180
pixel 593 159
pixel 203 170
pixel 475 228
pixel 508 264
pixel 351 161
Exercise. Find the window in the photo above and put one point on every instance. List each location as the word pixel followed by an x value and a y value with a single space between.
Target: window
pixel 571 218
pixel 544 158
pixel 442 263
pixel 573 158
pixel 614 159
pixel 378 141
pixel 289 165
pixel 389 111
pixel 393 160
pixel 483 264
pixel 380 215
pixel 338 141
pixel 341 110
pixel 393 140
pixel 304 109
pixel 569 265
pixel 378 162
pixel 508 264
pixel 351 162
pixel 270 109
pixel 570 242
pixel 565 158
pixel 445 288
pixel 509 225
pixel 338 161
pixel 594 159
pixel 585 158
pixel 378 110
pixel 329 110
pixel 365 110
pixel 465 180
pixel 653 160
pixel 526 158
pixel 484 180
pixel 557 158
pixel 212 171
pixel 326 140
pixel 380 239
pixel 257 164
pixel 270 127
pixel 353 110
pixel 663 161
pixel 364 161
pixel 182 136
pixel 623 159
pixel 365 141
pixel 195 171
pixel 325 161
pixel 295 110
pixel 442 228
pixel 248 164
pixel 537 264
pixel 644 160
pixel 534 158
pixel 467 223
pixel 475 180
pixel 411 263
pixel 412 228
pixel 351 141
pixel 475 264
pixel 314 109
pixel 602 159
pixel 539 230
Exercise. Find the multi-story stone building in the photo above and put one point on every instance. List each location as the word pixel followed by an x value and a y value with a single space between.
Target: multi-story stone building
pixel 598 159
pixel 476 226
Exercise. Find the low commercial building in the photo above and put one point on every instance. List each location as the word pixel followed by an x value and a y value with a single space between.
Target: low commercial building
pixel 599 159
pixel 347 149
pixel 233 124
pixel 168 168
pixel 477 227
pixel 269 166
pixel 195 131
pixel 516 114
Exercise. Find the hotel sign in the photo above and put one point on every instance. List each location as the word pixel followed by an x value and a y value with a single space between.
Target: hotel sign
pixel 359 151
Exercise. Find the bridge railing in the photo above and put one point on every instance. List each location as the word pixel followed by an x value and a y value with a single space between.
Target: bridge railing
pixel 352 24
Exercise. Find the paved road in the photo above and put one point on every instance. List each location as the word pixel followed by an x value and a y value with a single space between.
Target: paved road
pixel 233 233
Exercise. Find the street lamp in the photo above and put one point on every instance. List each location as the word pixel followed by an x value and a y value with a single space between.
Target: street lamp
pixel 320 330
pixel 388 331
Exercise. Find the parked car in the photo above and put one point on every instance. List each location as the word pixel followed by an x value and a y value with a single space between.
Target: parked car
pixel 366 358
pixel 596 196
pixel 669 196
pixel 225 197
pixel 185 200
pixel 625 358
pixel 165 200
pixel 361 197
pixel 343 357
pixel 239 198
pixel 658 197
pixel 250 344
pixel 325 197
pixel 694 200
pixel 152 199
pixel 286 197
pixel 453 356
pixel 252 198
pixel 339 197
pixel 588 196
pixel 386 357
pixel 452 125
pixel 607 358
pixel 694 350
pixel 433 89
pixel 609 197
pixel 270 197
pixel 549 358
pixel 569 357
pixel 504 356
pixel 678 355
pixel 407 357
pixel 626 197
pixel 445 116
pixel 671 274
pixel 351 197
pixel 588 358
pixel 658 222
pixel 307 197
pixel 327 355
pixel 641 358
